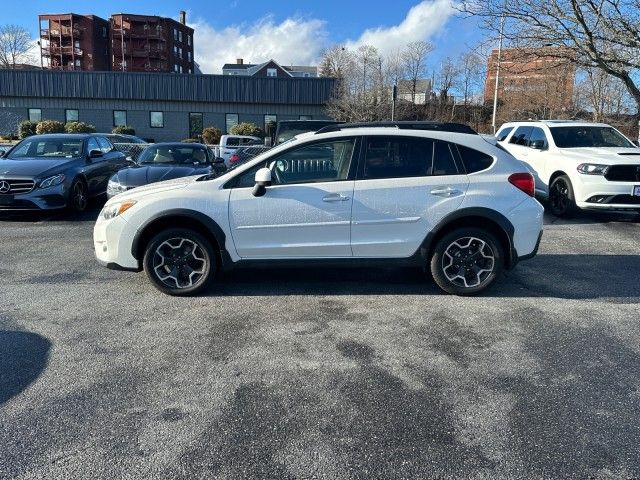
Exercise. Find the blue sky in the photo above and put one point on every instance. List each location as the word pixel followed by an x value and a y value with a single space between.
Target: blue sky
pixel 289 31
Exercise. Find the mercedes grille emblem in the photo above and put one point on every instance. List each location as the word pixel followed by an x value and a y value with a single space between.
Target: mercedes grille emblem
pixel 4 186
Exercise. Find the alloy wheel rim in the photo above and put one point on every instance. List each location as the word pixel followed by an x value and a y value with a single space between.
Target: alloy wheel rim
pixel 559 196
pixel 468 262
pixel 79 197
pixel 179 263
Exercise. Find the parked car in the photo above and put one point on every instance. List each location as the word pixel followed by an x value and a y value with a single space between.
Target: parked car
pixel 165 161
pixel 287 129
pixel 230 143
pixel 243 154
pixel 444 200
pixel 578 165
pixel 122 138
pixel 53 171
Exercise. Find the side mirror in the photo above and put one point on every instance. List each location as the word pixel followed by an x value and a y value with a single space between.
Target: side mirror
pixel 218 160
pixel 95 154
pixel 537 144
pixel 263 180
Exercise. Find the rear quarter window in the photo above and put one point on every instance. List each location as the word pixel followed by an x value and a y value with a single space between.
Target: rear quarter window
pixel 473 160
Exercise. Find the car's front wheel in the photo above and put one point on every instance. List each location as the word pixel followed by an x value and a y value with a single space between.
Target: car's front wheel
pixel 466 261
pixel 180 261
pixel 79 196
pixel 562 201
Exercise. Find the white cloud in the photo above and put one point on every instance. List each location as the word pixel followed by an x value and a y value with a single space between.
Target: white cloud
pixel 294 41
pixel 300 41
pixel 422 22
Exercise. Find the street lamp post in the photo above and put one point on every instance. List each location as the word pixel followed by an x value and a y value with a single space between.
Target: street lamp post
pixel 495 91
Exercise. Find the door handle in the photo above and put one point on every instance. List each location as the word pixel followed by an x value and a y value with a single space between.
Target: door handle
pixel 445 192
pixel 335 197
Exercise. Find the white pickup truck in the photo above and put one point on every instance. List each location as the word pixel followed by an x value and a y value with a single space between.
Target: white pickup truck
pixel 229 144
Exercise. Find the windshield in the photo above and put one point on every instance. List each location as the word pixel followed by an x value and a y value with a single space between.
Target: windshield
pixel 47 148
pixel 163 154
pixel 582 137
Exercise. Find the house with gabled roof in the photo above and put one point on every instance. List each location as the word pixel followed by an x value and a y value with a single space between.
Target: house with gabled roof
pixel 270 68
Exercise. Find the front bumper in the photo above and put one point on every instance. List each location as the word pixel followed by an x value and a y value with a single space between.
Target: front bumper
pixel 110 244
pixel 598 193
pixel 51 198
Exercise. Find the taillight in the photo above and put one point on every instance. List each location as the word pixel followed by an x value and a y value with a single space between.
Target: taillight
pixel 234 158
pixel 524 182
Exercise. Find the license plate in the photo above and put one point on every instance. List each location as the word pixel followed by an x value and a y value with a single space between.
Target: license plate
pixel 636 191
pixel 6 199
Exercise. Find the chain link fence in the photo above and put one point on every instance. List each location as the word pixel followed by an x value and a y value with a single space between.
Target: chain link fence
pixel 132 150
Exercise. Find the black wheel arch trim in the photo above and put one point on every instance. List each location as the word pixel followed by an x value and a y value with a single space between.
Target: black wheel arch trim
pixel 209 223
pixel 477 212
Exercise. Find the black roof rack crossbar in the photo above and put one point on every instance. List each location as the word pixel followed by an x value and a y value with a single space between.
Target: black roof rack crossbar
pixel 405 125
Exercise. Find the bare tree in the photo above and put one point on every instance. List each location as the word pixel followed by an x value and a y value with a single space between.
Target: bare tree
pixel 603 34
pixel 601 94
pixel 15 43
pixel 472 73
pixel 414 58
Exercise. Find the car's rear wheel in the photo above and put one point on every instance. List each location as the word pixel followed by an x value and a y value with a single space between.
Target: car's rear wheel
pixel 180 261
pixel 466 261
pixel 78 196
pixel 562 201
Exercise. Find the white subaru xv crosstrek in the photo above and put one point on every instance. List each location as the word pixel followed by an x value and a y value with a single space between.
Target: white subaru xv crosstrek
pixel 415 194
pixel 577 164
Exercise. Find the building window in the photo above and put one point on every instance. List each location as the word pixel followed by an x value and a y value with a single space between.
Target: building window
pixel 189 40
pixel 270 122
pixel 304 117
pixel 104 32
pixel 175 68
pixel 119 118
pixel 175 50
pixel 231 119
pixel 272 72
pixel 196 124
pixel 180 68
pixel 156 119
pixel 77 63
pixel 35 115
pixel 70 116
pixel 175 34
pixel 180 36
pixel 189 55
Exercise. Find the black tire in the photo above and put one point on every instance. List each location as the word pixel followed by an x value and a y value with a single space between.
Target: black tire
pixel 562 201
pixel 186 250
pixel 78 196
pixel 455 273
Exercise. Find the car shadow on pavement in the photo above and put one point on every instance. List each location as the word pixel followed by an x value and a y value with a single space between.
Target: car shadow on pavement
pixel 592 218
pixel 23 358
pixel 546 275
pixel 89 215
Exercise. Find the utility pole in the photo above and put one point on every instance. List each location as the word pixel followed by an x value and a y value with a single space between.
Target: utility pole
pixel 495 92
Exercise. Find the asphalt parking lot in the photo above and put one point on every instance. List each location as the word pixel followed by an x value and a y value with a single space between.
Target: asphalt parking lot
pixel 369 373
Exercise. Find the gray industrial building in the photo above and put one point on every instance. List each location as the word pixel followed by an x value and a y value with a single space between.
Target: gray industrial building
pixel 159 106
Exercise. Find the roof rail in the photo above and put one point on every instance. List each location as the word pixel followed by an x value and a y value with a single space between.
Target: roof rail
pixel 404 125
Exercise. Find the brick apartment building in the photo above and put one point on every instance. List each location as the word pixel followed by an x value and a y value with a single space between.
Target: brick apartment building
pixel 74 42
pixel 125 42
pixel 536 80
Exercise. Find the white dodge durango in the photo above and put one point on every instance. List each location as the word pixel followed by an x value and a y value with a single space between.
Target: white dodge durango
pixel 425 194
pixel 577 165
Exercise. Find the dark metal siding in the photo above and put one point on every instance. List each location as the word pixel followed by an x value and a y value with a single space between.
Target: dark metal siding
pixel 159 86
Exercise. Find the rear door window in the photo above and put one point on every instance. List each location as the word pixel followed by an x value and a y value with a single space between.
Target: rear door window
pixel 503 133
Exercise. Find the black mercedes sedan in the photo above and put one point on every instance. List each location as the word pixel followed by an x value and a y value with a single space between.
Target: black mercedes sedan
pixel 45 172
pixel 165 161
